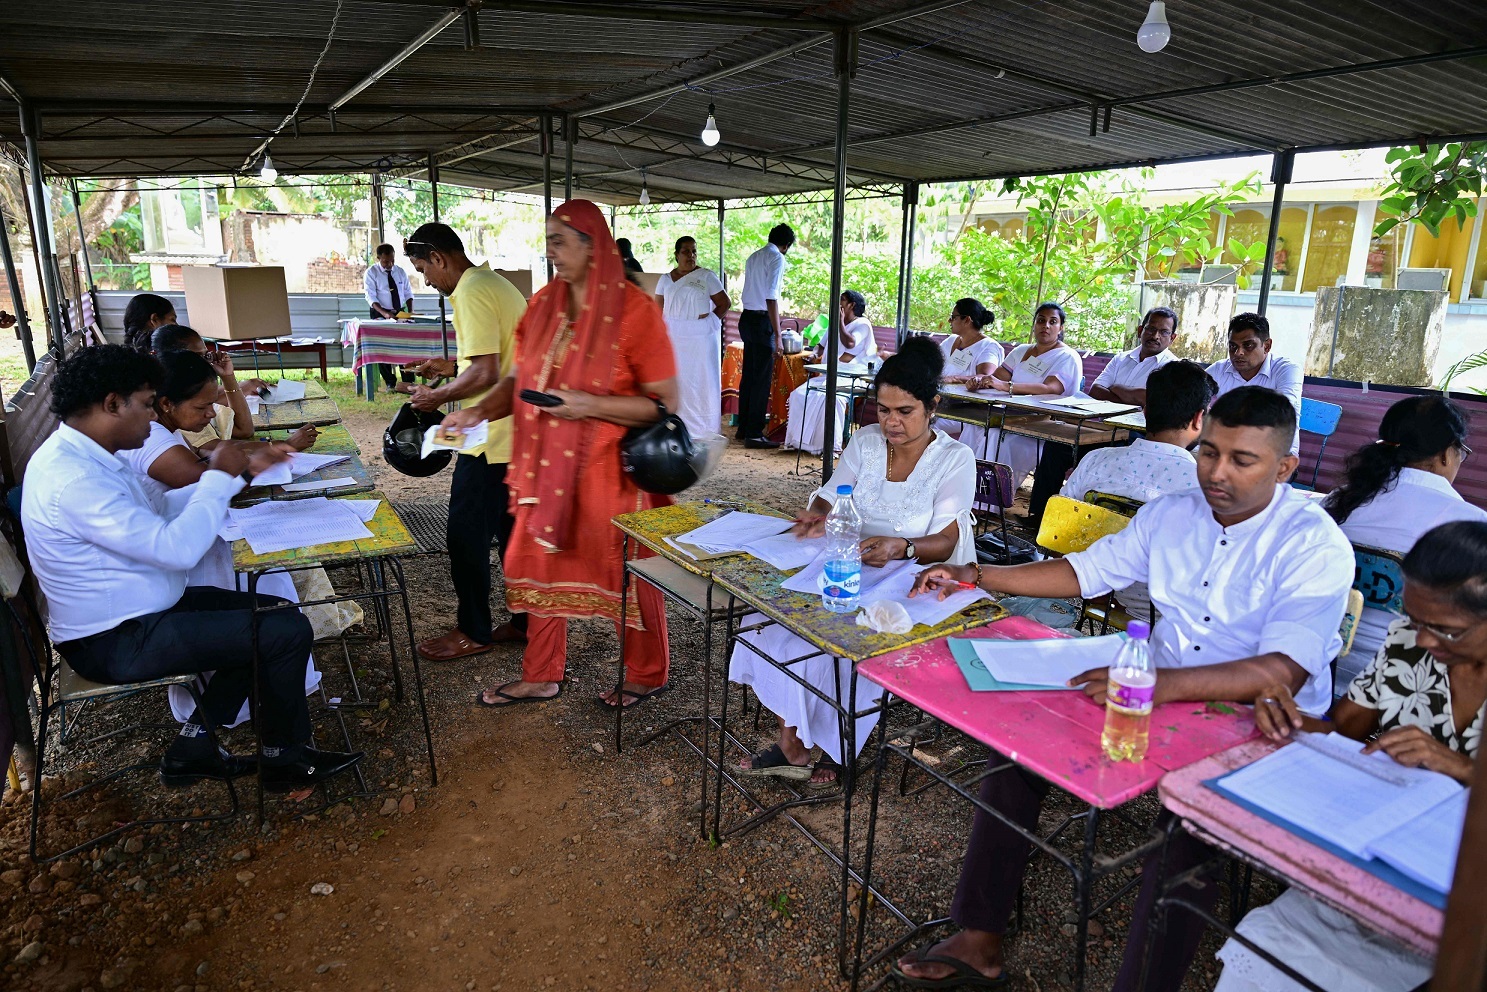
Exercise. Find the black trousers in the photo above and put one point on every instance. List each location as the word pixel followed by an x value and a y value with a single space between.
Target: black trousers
pixel 996 861
pixel 758 367
pixel 479 512
pixel 210 630
pixel 1048 478
pixel 389 373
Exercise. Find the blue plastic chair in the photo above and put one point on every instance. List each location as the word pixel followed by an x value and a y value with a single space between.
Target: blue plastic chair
pixel 1379 576
pixel 1321 419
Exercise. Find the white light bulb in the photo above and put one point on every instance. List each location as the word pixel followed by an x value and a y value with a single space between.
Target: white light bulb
pixel 645 195
pixel 1154 32
pixel 268 173
pixel 710 135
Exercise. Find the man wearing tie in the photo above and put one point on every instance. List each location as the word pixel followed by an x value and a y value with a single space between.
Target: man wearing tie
pixel 388 291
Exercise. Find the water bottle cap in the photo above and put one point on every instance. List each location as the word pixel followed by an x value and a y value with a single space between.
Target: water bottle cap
pixel 1138 630
pixel 844 490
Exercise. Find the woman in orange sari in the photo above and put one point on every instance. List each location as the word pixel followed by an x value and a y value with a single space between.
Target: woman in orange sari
pixel 598 343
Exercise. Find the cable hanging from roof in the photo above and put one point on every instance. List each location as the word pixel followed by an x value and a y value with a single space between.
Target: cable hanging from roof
pixel 309 84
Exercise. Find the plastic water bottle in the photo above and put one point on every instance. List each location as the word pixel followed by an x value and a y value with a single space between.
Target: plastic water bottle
pixel 841 578
pixel 1129 692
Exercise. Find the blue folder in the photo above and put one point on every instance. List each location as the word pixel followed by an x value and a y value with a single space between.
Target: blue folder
pixel 962 649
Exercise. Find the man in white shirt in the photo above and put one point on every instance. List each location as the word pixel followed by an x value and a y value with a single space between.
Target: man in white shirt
pixel 113 570
pixel 1155 465
pixel 759 327
pixel 1250 363
pixel 1251 579
pixel 1123 379
pixel 388 292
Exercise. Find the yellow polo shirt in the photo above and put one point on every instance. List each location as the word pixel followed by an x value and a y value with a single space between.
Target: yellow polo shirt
pixel 486 311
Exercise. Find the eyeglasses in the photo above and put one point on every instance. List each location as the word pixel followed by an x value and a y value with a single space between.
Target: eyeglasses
pixel 417 249
pixel 1466 451
pixel 1447 636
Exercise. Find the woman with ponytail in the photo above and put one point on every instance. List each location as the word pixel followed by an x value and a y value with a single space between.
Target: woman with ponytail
pixel 145 313
pixel 1397 488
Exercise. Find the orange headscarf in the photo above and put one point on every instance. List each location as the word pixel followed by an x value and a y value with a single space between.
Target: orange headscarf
pixel 561 355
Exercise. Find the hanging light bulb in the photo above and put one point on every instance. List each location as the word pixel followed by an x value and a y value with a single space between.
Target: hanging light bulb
pixel 710 135
pixel 645 193
pixel 1154 32
pixel 268 173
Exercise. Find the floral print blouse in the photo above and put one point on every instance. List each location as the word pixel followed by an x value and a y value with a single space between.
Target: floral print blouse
pixel 1410 688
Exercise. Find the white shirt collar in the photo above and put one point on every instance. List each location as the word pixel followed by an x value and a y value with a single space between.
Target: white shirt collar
pixel 1162 448
pixel 1429 480
pixel 84 445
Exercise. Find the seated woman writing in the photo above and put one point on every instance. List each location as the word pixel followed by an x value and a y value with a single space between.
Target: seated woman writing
pixel 186 402
pixel 1420 701
pixel 913 487
pixel 805 425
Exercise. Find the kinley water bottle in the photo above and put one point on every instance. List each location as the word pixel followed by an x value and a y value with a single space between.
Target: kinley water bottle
pixel 1130 688
pixel 841 578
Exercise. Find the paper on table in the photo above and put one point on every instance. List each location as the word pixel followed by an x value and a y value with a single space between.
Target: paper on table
pixel 255 403
pixel 927 609
pixel 299 463
pixel 786 551
pixel 1092 406
pixel 1331 799
pixel 1047 662
pixel 1425 848
pixel 365 509
pixel 318 484
pixel 963 650
pixel 280 526
pixel 472 437
pixel 734 531
pixel 807 579
pixel 285 391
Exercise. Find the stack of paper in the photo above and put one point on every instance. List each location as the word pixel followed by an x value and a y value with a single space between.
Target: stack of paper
pixel 1051 662
pixel 808 579
pixel 1093 407
pixel 285 391
pixel 1411 819
pixel 305 523
pixel 436 439
pixel 298 464
pixel 892 582
pixel 728 534
pixel 786 551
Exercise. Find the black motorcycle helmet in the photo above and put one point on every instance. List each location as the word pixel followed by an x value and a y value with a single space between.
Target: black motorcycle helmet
pixel 402 443
pixel 660 458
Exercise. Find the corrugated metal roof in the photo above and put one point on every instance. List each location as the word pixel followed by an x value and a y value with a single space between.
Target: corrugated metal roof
pixel 956 90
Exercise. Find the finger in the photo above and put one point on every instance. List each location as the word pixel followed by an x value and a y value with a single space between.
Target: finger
pixel 1289 708
pixel 1087 676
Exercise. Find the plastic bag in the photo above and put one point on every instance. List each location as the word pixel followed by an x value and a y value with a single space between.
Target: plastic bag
pixel 886 617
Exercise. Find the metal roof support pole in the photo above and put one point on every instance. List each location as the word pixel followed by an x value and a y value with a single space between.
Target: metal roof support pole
pixel 443 313
pixel 82 237
pixel 379 209
pixel 1280 175
pixel 546 126
pixel 13 279
pixel 906 258
pixel 570 137
pixel 722 244
pixel 41 233
pixel 846 67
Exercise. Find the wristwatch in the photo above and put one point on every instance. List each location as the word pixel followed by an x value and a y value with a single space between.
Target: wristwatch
pixel 909 551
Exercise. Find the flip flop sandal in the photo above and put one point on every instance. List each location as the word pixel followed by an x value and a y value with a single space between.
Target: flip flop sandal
pixel 825 763
pixel 772 763
pixel 512 700
pixel 963 975
pixel 631 699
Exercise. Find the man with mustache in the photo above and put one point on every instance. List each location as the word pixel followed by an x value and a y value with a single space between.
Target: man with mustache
pixel 1251 580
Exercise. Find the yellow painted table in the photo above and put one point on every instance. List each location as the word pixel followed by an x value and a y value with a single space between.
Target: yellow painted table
pixel 313 409
pixel 333 439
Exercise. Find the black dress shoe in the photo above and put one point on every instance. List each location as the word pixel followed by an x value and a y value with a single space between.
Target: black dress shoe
pixel 179 772
pixel 310 770
pixel 759 442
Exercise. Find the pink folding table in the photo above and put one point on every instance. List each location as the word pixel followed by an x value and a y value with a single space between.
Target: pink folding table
pixel 1052 733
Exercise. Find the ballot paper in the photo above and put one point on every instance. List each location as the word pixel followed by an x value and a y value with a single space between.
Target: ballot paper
pixel 435 439
pixel 319 484
pixel 285 391
pixel 925 608
pixel 365 509
pixel 1092 406
pixel 282 525
pixel 1053 661
pixel 733 531
pixel 786 551
pixel 807 580
pixel 1334 800
pixel 299 463
pixel 1425 848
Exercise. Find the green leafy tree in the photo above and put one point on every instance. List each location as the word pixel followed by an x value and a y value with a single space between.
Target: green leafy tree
pixel 1432 185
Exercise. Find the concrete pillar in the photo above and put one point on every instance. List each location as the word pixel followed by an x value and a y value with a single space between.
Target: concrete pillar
pixel 1384 335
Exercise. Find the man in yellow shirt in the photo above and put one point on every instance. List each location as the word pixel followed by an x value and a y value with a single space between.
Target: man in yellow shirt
pixel 486 311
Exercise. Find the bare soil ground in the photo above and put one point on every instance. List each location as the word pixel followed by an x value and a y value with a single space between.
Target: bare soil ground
pixel 541 861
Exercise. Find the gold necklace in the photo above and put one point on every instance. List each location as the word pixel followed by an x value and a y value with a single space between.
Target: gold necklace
pixel 890 463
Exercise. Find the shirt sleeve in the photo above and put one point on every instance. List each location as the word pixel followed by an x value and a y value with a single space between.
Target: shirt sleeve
pixel 1075 486
pixel 481 322
pixel 990 353
pixel 1368 688
pixel 644 341
pixel 662 281
pixel 776 276
pixel 1307 601
pixel 1108 374
pixel 405 287
pixel 105 515
pixel 369 283
pixel 714 284
pixel 1014 358
pixel 1288 381
pixel 1069 368
pixel 1117 560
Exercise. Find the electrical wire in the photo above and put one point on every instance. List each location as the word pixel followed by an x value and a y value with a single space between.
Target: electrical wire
pixel 309 84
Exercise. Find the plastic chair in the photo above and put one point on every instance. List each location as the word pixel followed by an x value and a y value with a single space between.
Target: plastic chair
pixel 994 493
pixel 1124 505
pixel 1378 575
pixel 1321 419
pixel 1071 525
pixel 1108 611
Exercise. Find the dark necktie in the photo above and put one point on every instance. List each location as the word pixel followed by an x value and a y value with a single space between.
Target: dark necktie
pixel 392 290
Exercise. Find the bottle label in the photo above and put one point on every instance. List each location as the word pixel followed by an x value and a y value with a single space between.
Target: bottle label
pixel 1137 698
pixel 840 579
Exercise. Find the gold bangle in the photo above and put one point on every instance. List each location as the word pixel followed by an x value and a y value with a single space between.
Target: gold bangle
pixel 977 565
pixel 225 389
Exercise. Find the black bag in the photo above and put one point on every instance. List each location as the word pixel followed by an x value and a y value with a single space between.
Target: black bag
pixel 402 443
pixel 660 458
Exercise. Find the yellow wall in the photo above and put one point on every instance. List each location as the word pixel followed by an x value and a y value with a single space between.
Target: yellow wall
pixel 1445 252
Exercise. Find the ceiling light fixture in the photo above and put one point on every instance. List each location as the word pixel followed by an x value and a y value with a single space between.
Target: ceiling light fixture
pixel 645 193
pixel 1154 32
pixel 710 135
pixel 267 172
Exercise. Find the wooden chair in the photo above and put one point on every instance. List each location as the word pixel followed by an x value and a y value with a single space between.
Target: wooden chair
pixel 1321 419
pixel 1071 525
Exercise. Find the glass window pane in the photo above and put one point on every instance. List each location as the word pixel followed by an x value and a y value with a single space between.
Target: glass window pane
pixel 1331 243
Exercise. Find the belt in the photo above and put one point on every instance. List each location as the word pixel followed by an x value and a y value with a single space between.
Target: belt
pixel 756 311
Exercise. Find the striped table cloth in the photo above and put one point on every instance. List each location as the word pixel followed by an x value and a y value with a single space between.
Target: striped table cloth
pixel 393 341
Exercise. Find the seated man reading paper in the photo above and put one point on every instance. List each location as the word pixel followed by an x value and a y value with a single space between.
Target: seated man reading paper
pixel 1251 580
pixel 113 570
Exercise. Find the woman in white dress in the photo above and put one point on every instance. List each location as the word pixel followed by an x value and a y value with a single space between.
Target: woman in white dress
pixel 1398 488
pixel 186 402
pixel 971 352
pixel 694 304
pixel 805 425
pixel 1046 367
pixel 913 487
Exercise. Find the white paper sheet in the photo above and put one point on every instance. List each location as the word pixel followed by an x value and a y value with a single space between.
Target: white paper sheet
pixel 285 391
pixel 1333 800
pixel 255 403
pixel 925 609
pixel 1425 848
pixel 1047 662
pixel 305 523
pixel 319 484
pixel 365 509
pixel 473 437
pixel 1092 406
pixel 786 551
pixel 734 531
pixel 807 580
pixel 298 464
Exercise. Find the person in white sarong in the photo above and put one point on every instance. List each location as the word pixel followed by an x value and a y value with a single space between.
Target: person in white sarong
pixel 805 425
pixel 1046 367
pixel 969 353
pixel 168 467
pixel 913 487
pixel 694 304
